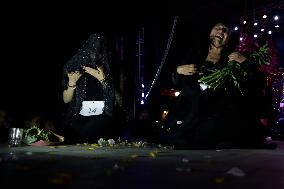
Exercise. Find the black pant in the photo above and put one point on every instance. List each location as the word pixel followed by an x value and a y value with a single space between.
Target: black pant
pixel 88 129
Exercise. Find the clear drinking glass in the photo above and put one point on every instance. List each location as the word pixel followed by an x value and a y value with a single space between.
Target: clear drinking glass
pixel 15 136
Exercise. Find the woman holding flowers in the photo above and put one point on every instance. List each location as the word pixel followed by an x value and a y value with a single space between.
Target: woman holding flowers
pixel 220 91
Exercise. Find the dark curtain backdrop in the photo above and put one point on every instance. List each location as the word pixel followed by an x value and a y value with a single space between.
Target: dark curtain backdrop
pixel 37 40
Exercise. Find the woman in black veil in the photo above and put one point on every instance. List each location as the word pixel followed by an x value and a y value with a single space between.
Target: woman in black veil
pixel 88 92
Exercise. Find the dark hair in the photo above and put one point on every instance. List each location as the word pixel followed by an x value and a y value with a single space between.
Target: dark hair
pixel 199 39
pixel 234 36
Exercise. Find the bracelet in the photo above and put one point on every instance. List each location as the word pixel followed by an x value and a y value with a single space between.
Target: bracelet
pixel 72 86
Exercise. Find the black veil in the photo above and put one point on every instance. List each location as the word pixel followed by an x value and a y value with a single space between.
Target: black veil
pixel 94 52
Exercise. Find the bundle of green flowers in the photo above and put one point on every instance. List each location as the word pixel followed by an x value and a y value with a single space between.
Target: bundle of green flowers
pixel 34 133
pixel 218 78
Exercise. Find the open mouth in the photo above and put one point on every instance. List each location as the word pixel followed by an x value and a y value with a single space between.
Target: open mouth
pixel 219 36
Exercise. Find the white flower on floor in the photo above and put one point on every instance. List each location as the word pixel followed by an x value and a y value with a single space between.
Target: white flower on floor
pixel 236 172
pixel 102 142
pixel 111 142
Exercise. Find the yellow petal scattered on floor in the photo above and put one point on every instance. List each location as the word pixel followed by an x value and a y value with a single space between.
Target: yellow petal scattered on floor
pixel 90 148
pixel 95 145
pixel 134 156
pixel 219 180
pixel 56 181
pixel 62 146
pixel 152 154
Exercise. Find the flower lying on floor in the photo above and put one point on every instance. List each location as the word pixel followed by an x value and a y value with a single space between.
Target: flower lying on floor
pixel 109 142
pixel 35 134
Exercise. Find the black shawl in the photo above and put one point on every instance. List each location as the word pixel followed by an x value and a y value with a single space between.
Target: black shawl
pixel 93 53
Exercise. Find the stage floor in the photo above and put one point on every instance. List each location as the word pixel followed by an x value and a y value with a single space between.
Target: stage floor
pixel 87 166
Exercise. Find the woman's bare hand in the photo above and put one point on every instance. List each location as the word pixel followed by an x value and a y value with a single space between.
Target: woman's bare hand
pixel 73 77
pixel 236 56
pixel 187 69
pixel 97 73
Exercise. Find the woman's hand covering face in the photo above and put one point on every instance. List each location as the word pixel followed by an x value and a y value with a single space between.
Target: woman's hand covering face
pixel 74 76
pixel 95 72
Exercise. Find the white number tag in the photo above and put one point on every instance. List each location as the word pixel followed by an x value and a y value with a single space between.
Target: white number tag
pixel 90 108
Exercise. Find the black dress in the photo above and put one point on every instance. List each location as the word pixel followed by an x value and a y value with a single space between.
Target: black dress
pixel 208 118
pixel 90 128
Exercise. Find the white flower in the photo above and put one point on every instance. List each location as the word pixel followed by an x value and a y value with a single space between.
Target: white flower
pixel 101 142
pixel 111 142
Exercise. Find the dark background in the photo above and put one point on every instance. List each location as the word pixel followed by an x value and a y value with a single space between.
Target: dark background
pixel 38 38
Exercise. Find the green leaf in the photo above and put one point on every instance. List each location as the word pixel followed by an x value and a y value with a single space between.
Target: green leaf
pixel 29 139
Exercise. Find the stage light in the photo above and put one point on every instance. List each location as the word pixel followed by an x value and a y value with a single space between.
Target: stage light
pixel 276 17
pixel 177 93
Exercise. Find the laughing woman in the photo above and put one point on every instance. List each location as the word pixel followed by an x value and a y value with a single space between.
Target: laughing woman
pixel 213 111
